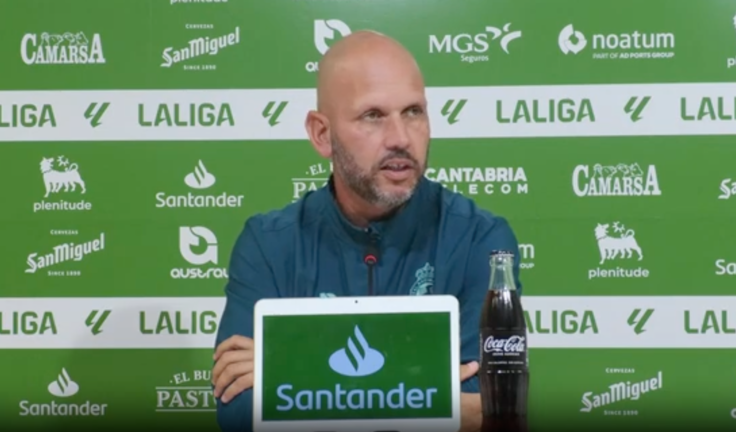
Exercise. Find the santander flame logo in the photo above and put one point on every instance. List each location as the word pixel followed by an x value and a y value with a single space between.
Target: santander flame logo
pixel 357 360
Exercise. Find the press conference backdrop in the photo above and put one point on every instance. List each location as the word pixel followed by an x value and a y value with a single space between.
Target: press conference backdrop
pixel 138 136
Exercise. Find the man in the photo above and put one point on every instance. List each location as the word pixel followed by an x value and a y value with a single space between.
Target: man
pixel 372 122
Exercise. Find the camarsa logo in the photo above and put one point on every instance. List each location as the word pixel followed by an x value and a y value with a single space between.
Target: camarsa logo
pixel 623 179
pixel 70 47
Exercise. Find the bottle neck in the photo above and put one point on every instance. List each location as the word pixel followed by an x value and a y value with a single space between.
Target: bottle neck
pixel 502 273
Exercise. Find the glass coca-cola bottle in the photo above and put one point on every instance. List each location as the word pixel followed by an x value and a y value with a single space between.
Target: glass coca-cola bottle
pixel 504 367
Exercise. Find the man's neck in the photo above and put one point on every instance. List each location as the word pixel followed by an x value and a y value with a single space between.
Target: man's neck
pixel 357 210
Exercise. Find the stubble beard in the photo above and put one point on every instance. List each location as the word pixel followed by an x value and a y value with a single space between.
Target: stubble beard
pixel 365 184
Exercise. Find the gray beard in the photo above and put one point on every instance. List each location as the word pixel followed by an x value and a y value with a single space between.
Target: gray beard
pixel 364 184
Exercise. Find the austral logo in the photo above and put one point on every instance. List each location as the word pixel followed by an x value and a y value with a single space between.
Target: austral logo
pixel 623 179
pixel 198 236
pixel 357 361
pixel 61 48
pixel 620 245
pixel 325 30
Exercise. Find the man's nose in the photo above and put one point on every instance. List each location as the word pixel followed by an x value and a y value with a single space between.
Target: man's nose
pixel 397 133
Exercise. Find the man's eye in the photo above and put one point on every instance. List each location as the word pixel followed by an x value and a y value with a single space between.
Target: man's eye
pixel 416 111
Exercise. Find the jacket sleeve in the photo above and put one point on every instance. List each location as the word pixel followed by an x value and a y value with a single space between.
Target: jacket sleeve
pixel 477 276
pixel 250 279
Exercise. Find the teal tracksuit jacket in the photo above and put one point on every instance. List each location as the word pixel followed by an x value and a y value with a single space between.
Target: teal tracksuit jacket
pixel 308 249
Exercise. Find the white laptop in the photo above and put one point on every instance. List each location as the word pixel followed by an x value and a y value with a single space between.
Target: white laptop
pixel 357 364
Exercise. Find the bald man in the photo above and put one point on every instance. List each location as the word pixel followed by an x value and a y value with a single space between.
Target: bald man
pixel 372 122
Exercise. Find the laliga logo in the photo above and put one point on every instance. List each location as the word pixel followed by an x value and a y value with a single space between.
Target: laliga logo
pixel 351 363
pixel 512 344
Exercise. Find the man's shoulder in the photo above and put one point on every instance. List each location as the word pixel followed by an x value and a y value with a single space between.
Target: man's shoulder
pixel 288 219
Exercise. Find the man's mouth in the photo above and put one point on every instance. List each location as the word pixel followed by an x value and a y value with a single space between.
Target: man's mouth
pixel 397 165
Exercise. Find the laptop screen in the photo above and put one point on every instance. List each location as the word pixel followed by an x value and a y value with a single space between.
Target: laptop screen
pixel 360 366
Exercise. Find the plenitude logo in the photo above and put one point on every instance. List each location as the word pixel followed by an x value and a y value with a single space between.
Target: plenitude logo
pixel 357 367
pixel 63 179
pixel 199 179
pixel 621 244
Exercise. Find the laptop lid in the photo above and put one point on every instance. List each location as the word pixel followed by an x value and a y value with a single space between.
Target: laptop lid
pixel 357 364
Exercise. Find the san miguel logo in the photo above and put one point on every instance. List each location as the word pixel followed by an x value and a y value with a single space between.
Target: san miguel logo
pixel 615 180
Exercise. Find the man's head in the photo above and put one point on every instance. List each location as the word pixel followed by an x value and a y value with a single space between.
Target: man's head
pixel 371 120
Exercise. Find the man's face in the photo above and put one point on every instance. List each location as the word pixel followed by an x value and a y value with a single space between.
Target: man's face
pixel 380 137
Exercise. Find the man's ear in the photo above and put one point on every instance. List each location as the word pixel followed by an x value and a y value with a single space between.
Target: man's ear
pixel 318 129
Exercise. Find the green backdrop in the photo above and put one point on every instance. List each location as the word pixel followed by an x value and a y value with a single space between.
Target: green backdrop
pixel 137 134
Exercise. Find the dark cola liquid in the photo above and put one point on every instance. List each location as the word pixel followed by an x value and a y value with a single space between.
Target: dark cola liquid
pixel 504 370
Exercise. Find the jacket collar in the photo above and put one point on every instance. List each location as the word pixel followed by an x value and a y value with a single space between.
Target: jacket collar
pixel 398 230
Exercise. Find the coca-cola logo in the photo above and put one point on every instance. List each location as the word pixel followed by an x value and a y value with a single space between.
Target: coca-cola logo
pixel 511 344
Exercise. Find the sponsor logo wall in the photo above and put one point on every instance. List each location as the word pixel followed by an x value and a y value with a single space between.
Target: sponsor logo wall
pixel 133 158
